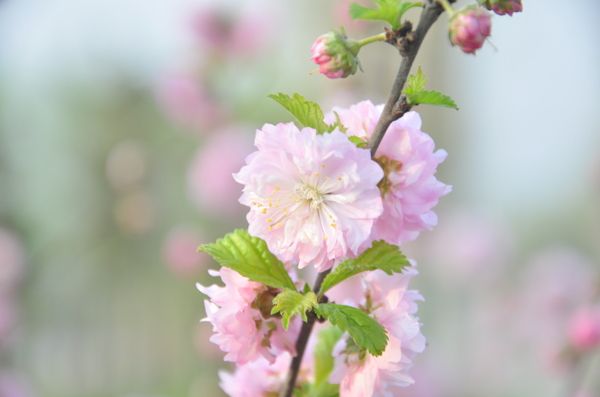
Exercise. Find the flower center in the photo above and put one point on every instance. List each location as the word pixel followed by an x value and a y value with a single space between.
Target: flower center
pixel 308 193
pixel 388 166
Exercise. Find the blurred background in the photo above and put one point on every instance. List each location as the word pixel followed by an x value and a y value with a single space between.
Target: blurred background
pixel 121 122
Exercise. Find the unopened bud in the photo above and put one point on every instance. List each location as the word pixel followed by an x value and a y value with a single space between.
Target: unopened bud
pixel 502 7
pixel 336 54
pixel 469 27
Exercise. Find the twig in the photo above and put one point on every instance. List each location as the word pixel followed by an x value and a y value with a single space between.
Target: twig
pixel 408 43
pixel 305 332
pixel 409 49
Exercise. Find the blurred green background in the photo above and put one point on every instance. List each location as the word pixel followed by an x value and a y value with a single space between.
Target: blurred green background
pixel 122 120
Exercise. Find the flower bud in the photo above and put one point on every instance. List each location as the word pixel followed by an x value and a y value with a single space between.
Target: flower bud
pixel 469 28
pixel 336 54
pixel 502 7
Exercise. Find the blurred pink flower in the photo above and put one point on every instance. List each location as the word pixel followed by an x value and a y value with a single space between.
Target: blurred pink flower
pixel 13 385
pixel 187 103
pixel 12 260
pixel 584 329
pixel 242 330
pixel 406 154
pixel 237 30
pixel 388 300
pixel 210 181
pixel 312 198
pixel 180 251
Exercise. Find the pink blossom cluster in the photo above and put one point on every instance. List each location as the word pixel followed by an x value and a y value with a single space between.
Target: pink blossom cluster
pixel 318 199
pixel 469 28
pixel 388 300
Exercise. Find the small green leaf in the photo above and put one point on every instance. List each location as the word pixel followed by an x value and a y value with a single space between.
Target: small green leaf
pixel 432 98
pixel 357 141
pixel 416 83
pixel 324 360
pixel 367 333
pixel 308 114
pixel 250 257
pixel 381 255
pixel 338 124
pixel 289 303
pixel 390 11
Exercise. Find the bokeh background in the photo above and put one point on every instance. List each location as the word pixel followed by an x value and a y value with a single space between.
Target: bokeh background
pixel 121 122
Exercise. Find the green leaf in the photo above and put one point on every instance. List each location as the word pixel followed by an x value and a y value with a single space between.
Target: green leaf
pixel 416 94
pixel 367 333
pixel 250 257
pixel 416 83
pixel 324 360
pixel 381 255
pixel 338 124
pixel 289 303
pixel 390 11
pixel 432 98
pixel 357 141
pixel 308 114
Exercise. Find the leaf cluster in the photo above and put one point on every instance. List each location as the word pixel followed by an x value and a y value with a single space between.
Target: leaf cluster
pixel 416 94
pixel 390 11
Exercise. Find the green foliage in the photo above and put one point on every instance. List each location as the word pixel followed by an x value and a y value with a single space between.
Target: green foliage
pixel 416 94
pixel 290 303
pixel 308 114
pixel 357 141
pixel 390 11
pixel 324 360
pixel 367 333
pixel 250 257
pixel 381 255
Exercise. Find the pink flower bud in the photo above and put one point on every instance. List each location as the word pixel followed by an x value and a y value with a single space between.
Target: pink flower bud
pixel 336 55
pixel 469 28
pixel 584 330
pixel 503 7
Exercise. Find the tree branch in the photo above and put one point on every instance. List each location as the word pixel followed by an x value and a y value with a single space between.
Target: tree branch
pixel 408 46
pixel 305 332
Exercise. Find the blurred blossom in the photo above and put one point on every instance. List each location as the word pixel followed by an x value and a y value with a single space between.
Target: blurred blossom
pixel 234 29
pixel 187 103
pixel 125 165
pixel 210 182
pixel 468 245
pixel 555 284
pixel 12 260
pixel 584 329
pixel 135 213
pixel 12 385
pixel 180 251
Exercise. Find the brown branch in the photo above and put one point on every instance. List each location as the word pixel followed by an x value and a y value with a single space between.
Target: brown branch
pixel 305 332
pixel 408 44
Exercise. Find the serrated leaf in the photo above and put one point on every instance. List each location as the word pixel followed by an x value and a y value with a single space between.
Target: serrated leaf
pixel 289 303
pixel 381 256
pixel 432 98
pixel 308 113
pixel 367 333
pixel 415 83
pixel 357 141
pixel 250 257
pixel 390 11
pixel 324 361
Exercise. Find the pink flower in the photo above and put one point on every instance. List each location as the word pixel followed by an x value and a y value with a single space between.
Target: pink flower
pixel 242 329
pixel 406 154
pixel 258 378
pixel 180 251
pixel 387 299
pixel 210 184
pixel 336 55
pixel 503 7
pixel 312 198
pixel 187 103
pixel 584 329
pixel 469 27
